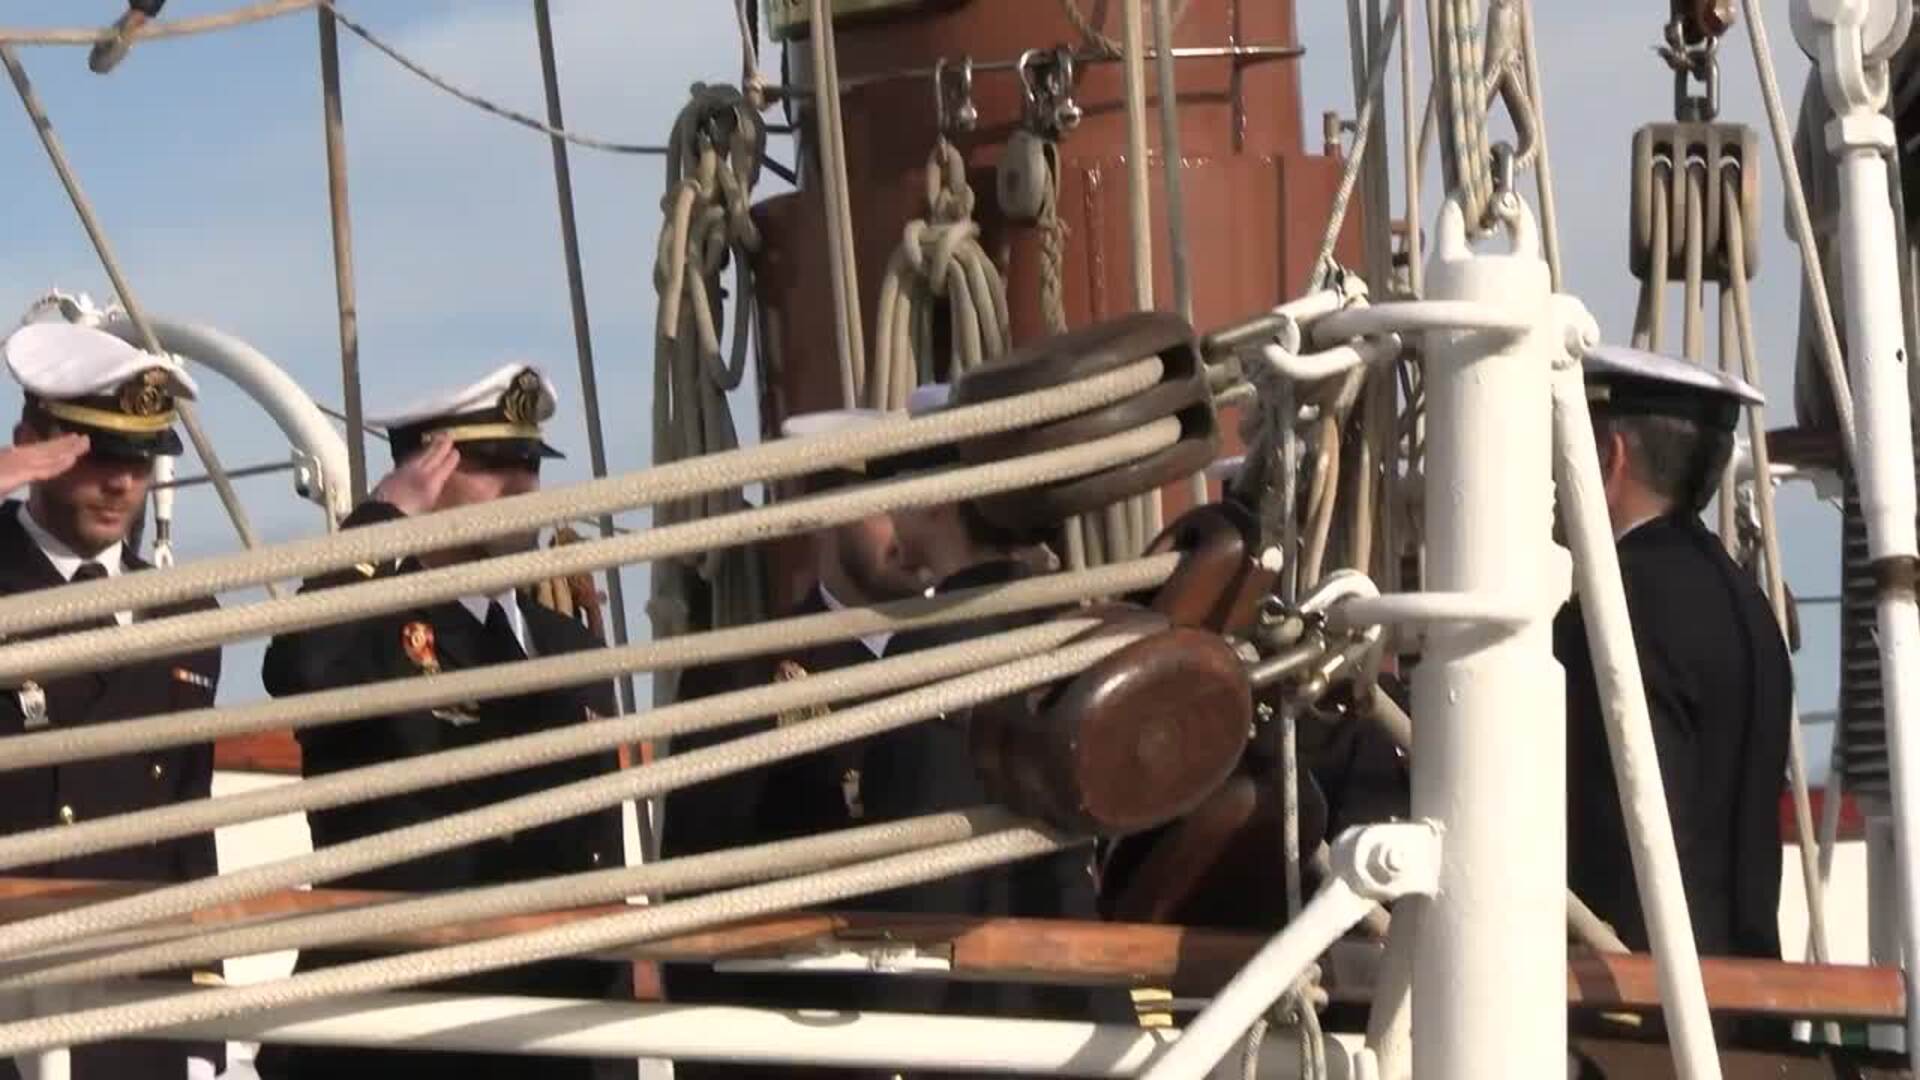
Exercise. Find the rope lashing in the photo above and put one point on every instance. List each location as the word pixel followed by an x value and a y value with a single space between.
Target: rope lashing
pixel 1299 1010
pixel 939 260
pixel 713 162
pixel 1464 155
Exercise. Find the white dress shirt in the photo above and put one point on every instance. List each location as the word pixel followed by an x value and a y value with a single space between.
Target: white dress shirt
pixel 510 603
pixel 66 562
pixel 875 643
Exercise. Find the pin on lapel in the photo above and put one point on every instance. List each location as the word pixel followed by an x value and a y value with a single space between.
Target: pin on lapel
pixel 33 706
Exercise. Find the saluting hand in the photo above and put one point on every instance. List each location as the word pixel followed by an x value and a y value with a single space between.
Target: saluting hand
pixel 30 463
pixel 414 487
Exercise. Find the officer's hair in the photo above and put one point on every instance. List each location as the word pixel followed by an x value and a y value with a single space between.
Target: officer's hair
pixel 1676 459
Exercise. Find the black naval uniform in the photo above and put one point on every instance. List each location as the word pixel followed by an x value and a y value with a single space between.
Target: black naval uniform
pixel 1719 689
pixel 820 792
pixel 927 768
pixel 391 647
pixel 43 797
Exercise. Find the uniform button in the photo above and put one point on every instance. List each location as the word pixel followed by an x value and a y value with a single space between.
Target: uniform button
pixel 158 770
pixel 596 858
pixel 66 815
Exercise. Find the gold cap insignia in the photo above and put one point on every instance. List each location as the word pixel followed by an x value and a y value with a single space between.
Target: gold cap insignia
pixel 520 402
pixel 146 394
pixel 789 671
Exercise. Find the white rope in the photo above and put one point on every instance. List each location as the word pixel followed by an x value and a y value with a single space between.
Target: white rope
pixel 1542 164
pixel 527 751
pixel 627 928
pixel 831 144
pixel 165 637
pixel 720 869
pixel 939 260
pixel 779 459
pixel 555 804
pixel 57 746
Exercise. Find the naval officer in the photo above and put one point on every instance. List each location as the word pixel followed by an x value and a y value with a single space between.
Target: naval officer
pixel 928 768
pixel 467 447
pixel 97 412
pixel 1718 680
pixel 854 565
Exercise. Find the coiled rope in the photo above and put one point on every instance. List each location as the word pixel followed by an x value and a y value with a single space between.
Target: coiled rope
pixel 939 260
pixel 713 162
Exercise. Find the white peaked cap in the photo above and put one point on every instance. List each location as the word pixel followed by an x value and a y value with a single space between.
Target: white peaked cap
pixel 929 398
pixel 829 422
pixel 1604 362
pixel 477 397
pixel 62 361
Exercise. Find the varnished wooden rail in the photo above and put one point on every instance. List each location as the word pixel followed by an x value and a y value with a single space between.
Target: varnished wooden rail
pixel 1188 961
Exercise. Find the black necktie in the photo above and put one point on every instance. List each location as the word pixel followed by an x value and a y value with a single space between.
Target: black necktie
pixel 501 642
pixel 88 571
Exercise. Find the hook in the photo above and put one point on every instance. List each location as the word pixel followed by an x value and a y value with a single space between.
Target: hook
pixel 954 110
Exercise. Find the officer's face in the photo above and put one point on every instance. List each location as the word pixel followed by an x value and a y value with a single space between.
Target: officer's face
pixel 870 558
pixel 477 480
pixel 93 505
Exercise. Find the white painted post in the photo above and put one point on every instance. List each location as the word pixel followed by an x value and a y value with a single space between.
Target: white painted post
pixel 1850 42
pixel 1489 968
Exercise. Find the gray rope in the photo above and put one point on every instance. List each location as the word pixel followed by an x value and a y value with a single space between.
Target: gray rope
pixel 164 637
pixel 642 924
pixel 525 751
pixel 775 460
pixel 467 96
pixel 171 28
pixel 555 804
pixel 1362 131
pixel 62 745
pixel 720 869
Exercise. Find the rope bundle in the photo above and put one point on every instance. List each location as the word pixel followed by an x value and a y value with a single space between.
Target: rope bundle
pixel 939 260
pixel 713 161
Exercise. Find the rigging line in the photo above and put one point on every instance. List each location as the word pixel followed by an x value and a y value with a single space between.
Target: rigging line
pixel 582 328
pixel 1831 359
pixel 333 124
pixel 478 102
pixel 271 9
pixel 90 223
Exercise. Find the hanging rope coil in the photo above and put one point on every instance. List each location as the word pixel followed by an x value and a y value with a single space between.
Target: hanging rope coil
pixel 939 260
pixel 713 162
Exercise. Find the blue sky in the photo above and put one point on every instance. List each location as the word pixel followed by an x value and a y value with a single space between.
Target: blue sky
pixel 205 159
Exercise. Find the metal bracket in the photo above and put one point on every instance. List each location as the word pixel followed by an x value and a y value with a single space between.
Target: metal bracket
pixel 1386 862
